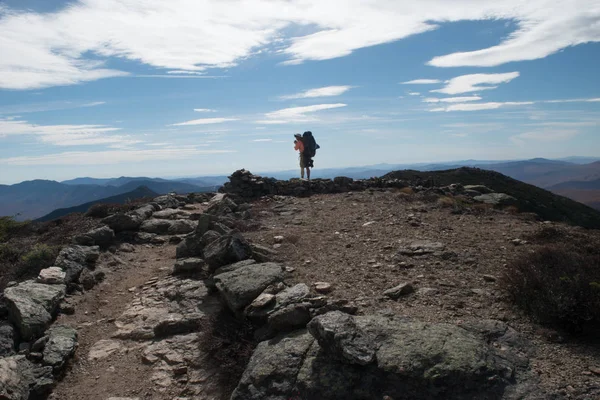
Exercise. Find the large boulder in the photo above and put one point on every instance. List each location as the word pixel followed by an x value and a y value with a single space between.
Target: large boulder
pixel 8 337
pixel 158 226
pixel 371 357
pixel 242 285
pixel 61 346
pixel 73 259
pixel 171 213
pixel 103 237
pixel 497 199
pixel 227 250
pixel 193 245
pixel 32 305
pixel 182 226
pixel 120 222
pixel 20 379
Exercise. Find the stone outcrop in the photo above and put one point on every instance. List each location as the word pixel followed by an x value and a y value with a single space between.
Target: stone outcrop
pixel 130 221
pixel 371 357
pixel 226 250
pixel 8 337
pixel 73 259
pixel 103 237
pixel 496 199
pixel 61 345
pixel 32 306
pixel 167 226
pixel 20 378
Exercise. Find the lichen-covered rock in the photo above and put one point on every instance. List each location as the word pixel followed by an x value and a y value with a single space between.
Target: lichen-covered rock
pixel 242 285
pixel 52 275
pixel 193 245
pixel 120 222
pixel 497 199
pixel 374 356
pixel 61 345
pixel 189 265
pixel 227 250
pixel 20 379
pixel 73 259
pixel 8 336
pixel 32 305
pixel 103 237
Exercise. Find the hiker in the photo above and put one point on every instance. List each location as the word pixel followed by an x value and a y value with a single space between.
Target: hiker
pixel 299 145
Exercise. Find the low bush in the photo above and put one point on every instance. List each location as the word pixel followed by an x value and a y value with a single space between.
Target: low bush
pixel 39 257
pixel 558 285
pixel 8 225
pixel 229 344
pixel 98 211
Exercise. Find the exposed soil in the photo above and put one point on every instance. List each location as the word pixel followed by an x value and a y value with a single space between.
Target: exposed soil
pixel 351 240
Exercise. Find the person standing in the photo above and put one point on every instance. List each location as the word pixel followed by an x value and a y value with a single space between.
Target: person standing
pixel 299 145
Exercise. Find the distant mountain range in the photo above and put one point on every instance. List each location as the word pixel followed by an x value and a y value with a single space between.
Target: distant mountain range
pixel 34 199
pixel 575 177
pixel 140 192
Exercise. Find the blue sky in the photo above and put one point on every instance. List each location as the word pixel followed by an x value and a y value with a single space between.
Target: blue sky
pixel 188 88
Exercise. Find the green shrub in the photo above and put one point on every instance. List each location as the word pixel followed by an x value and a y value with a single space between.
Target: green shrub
pixel 38 258
pixel 557 285
pixel 8 225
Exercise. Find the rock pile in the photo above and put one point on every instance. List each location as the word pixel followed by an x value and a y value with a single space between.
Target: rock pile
pixel 247 186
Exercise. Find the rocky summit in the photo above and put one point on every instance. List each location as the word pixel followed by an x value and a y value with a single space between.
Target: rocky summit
pixel 386 288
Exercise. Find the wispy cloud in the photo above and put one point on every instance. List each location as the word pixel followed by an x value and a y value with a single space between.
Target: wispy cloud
pixel 94 104
pixel 111 156
pixel 421 82
pixel 47 106
pixel 66 135
pixel 326 91
pixel 481 106
pixel 72 45
pixel 413 93
pixel 594 100
pixel 296 114
pixel 205 121
pixel 204 110
pixel 551 135
pixel 262 140
pixel 451 99
pixel 475 82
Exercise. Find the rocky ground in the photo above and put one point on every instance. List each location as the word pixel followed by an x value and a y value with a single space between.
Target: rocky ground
pixel 376 293
pixel 364 243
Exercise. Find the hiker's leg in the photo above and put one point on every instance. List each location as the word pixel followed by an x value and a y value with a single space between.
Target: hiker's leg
pixel 308 173
pixel 302 173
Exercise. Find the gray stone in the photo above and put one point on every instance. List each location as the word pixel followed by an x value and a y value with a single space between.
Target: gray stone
pixel 204 221
pixel 227 250
pixel 104 348
pixel 158 226
pixel 103 237
pixel 193 245
pixel 171 213
pixel 481 189
pixel 241 286
pixel 181 226
pixel 20 379
pixel 262 253
pixel 496 199
pixel 38 345
pixel 189 265
pixel 52 275
pixel 120 222
pixel 61 345
pixel 421 247
pixel 398 291
pixel 87 280
pixel 32 306
pixel 290 317
pixel 272 370
pixel 8 337
pixel 337 333
pixel 73 259
pixel 377 356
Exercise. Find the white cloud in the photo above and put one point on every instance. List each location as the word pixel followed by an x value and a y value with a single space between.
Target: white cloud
pixel 451 99
pixel 205 121
pixel 65 135
pixel 421 82
pixel 481 106
pixel 94 104
pixel 204 110
pixel 111 156
pixel 326 91
pixel 595 100
pixel 413 93
pixel 475 82
pixel 545 136
pixel 262 140
pixel 297 114
pixel 70 45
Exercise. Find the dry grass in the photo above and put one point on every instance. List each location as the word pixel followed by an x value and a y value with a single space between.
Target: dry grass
pixel 558 285
pixel 406 190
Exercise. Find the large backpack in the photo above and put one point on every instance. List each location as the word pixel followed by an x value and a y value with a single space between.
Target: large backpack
pixel 310 145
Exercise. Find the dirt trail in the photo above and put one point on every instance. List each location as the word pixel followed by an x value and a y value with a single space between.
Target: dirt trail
pixel 125 369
